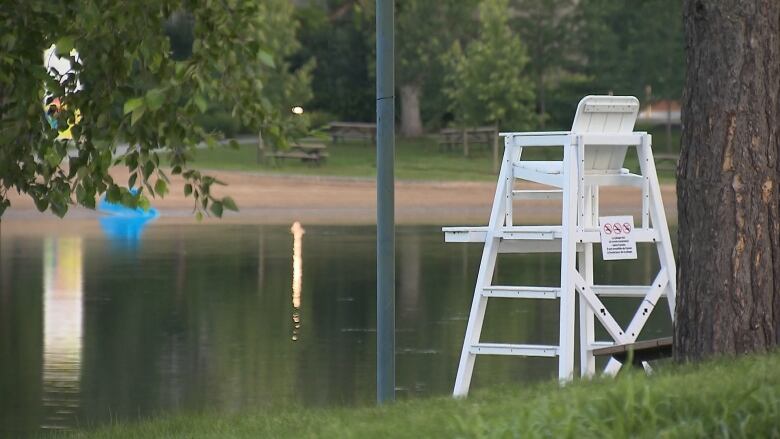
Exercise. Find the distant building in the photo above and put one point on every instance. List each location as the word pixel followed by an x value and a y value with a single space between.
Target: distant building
pixel 660 112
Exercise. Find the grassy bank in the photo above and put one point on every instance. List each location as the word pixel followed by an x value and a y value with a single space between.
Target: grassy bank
pixel 726 398
pixel 416 159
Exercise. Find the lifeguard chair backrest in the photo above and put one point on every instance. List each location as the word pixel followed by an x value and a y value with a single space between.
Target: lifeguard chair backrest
pixel 605 114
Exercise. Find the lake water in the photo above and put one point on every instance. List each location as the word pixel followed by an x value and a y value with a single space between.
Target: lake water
pixel 112 324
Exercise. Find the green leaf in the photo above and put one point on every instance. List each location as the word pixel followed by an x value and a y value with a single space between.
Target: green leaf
pixel 113 195
pixel 132 104
pixel 81 194
pixel 65 45
pixel 131 180
pixel 161 187
pixel 52 157
pixel 199 216
pixel 229 204
pixel 89 201
pixel 137 113
pixel 59 209
pixel 266 58
pixel 128 199
pixel 154 98
pixel 143 203
pixel 200 102
pixel 131 161
pixel 187 190
pixel 216 209
pixel 147 169
pixel 41 204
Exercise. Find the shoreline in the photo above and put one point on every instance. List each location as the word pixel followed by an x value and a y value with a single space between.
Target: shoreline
pixel 273 199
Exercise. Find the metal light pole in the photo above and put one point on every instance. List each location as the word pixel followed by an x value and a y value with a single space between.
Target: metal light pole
pixel 385 200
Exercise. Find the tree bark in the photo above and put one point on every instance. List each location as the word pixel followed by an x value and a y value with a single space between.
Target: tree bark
pixel 411 123
pixel 541 104
pixel 729 223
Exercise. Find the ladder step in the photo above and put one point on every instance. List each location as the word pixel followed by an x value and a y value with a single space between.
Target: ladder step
pixel 621 290
pixel 512 292
pixel 534 194
pixel 532 232
pixel 477 234
pixel 523 350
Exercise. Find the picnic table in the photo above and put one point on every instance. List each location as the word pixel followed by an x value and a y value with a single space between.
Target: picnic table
pixel 352 130
pixel 488 135
pixel 315 153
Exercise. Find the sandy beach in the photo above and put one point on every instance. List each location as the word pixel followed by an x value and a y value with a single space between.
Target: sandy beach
pixel 276 199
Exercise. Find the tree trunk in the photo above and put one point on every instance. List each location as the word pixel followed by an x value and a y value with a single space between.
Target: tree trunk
pixel 260 150
pixel 541 104
pixel 669 127
pixel 729 222
pixel 411 123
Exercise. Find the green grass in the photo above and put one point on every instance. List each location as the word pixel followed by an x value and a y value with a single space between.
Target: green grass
pixel 416 159
pixel 725 398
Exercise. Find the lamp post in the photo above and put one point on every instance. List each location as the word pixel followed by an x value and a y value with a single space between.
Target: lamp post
pixel 385 199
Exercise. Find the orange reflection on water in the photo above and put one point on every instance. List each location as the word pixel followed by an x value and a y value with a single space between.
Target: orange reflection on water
pixel 63 290
pixel 297 280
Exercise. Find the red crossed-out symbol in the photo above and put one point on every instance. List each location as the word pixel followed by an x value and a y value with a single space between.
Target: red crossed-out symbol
pixel 608 228
pixel 627 228
pixel 617 228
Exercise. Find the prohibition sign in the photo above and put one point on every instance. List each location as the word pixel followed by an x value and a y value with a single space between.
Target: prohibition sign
pixel 627 228
pixel 608 228
pixel 616 227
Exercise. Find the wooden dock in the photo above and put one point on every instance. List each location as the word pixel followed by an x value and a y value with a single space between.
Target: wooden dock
pixel 638 352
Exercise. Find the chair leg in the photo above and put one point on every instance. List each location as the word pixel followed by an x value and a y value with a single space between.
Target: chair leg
pixel 476 318
pixel 587 319
pixel 658 218
pixel 487 267
pixel 568 260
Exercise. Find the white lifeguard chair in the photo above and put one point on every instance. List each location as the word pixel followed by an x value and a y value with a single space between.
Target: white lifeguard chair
pixel 593 156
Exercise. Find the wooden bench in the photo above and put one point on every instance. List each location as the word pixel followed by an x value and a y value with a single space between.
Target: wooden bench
pixel 307 152
pixel 452 137
pixel 647 350
pixel 352 130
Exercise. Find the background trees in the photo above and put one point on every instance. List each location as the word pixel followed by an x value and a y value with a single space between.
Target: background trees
pixel 425 31
pixel 164 75
pixel 572 49
pixel 545 28
pixel 340 39
pixel 486 82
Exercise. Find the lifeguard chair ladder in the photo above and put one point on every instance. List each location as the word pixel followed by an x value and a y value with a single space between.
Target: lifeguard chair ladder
pixel 593 155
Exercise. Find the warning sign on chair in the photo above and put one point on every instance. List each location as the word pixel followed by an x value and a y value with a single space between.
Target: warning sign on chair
pixel 617 237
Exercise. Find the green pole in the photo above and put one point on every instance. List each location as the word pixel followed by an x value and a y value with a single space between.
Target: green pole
pixel 385 199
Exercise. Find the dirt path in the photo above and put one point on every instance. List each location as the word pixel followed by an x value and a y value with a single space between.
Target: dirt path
pixel 326 200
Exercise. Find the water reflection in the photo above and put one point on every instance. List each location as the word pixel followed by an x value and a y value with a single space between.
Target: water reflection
pixel 63 289
pixel 124 230
pixel 297 280
pixel 124 225
pixel 201 319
